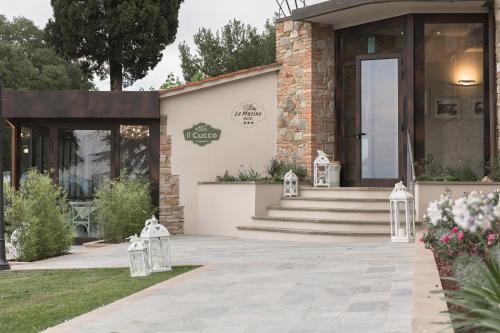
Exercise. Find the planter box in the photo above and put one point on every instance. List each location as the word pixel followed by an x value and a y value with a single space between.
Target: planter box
pixel 426 192
pixel 223 206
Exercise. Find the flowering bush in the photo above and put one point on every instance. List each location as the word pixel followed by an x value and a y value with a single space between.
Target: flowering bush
pixel 468 225
pixel 466 232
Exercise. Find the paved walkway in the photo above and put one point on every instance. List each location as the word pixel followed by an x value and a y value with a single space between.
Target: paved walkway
pixel 259 286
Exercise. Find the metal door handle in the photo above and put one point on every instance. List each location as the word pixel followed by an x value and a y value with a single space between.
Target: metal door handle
pixel 359 135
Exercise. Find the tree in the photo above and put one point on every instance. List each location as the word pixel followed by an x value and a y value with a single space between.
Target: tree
pixel 28 62
pixel 121 38
pixel 171 81
pixel 236 46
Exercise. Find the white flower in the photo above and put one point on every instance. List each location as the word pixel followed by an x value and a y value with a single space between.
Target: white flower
pixel 474 211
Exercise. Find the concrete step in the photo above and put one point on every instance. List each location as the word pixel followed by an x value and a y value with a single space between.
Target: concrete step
pixel 343 214
pixel 342 203
pixel 308 235
pixel 345 192
pixel 327 225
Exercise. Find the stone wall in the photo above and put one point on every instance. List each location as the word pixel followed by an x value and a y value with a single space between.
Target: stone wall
pixel 171 212
pixel 305 91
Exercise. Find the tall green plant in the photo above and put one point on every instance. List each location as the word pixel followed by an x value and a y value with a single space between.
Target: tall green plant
pixel 479 300
pixel 122 207
pixel 39 210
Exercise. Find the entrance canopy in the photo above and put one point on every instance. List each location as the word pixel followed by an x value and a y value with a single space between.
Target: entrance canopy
pixel 346 13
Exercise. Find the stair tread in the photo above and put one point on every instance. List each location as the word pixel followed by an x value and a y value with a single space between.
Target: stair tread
pixel 335 210
pixel 315 220
pixel 312 232
pixel 337 199
pixel 377 189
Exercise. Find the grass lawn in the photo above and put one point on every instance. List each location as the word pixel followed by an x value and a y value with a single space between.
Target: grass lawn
pixel 35 300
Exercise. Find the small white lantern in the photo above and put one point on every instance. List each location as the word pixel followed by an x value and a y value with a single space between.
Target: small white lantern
pixel 138 257
pixel 157 239
pixel 321 170
pixel 402 217
pixel 291 185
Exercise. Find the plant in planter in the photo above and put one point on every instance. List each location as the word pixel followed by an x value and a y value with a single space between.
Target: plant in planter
pixel 431 170
pixel 38 212
pixel 277 169
pixel 472 247
pixel 122 207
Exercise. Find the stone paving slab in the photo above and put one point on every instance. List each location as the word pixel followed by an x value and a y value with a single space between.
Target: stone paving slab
pixel 258 286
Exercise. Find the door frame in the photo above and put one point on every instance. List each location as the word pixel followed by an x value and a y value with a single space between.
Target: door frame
pixel 401 98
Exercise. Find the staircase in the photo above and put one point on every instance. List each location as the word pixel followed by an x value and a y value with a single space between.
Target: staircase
pixel 344 214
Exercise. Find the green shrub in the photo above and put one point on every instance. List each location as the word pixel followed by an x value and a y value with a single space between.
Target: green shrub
pixel 226 178
pixel 493 169
pixel 277 169
pixel 478 300
pixel 249 175
pixel 40 211
pixel 123 205
pixel 431 170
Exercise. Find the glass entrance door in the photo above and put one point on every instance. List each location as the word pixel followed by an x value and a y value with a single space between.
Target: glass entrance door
pixel 378 119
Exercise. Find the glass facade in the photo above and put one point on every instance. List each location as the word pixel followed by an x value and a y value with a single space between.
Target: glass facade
pixel 84 161
pixel 454 94
pixel 33 149
pixel 134 151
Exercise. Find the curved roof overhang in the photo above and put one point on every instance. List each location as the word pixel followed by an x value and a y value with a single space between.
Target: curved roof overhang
pixel 345 13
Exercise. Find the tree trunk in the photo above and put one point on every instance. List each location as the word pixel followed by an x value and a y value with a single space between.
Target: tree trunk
pixel 116 76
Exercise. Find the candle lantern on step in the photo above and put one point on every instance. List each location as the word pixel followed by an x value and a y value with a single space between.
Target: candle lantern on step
pixel 402 216
pixel 291 185
pixel 321 170
pixel 157 239
pixel 138 257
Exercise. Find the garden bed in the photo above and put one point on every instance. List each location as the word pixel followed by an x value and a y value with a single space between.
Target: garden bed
pixel 32 301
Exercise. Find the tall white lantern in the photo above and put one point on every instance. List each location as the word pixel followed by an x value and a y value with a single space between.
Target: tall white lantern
pixel 138 257
pixel 321 170
pixel 291 185
pixel 157 239
pixel 402 216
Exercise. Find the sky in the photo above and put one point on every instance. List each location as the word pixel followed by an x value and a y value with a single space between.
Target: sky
pixel 193 15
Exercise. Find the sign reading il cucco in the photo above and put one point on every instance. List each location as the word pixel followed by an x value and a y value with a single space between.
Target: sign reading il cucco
pixel 202 134
pixel 248 114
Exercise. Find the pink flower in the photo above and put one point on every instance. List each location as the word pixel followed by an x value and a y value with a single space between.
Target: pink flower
pixel 454 230
pixel 460 235
pixel 446 238
pixel 491 238
pixel 422 239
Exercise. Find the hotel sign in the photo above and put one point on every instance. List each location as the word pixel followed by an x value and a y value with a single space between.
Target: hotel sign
pixel 202 134
pixel 248 114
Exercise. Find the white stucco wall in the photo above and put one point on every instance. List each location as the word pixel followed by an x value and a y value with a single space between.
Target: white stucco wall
pixel 238 145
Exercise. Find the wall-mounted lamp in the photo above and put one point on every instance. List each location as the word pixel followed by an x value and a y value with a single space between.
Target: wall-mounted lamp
pixel 26 151
pixel 467 82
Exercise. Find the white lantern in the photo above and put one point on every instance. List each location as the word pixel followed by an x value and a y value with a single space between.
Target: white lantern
pixel 321 170
pixel 157 239
pixel 291 185
pixel 138 257
pixel 402 216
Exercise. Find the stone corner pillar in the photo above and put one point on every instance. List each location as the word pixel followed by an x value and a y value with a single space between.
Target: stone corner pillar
pixel 305 91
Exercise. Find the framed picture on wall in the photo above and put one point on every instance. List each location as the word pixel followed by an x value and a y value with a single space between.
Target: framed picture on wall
pixel 477 107
pixel 446 108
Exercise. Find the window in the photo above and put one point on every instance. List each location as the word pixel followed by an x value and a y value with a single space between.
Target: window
pixel 84 161
pixel 454 94
pixel 134 151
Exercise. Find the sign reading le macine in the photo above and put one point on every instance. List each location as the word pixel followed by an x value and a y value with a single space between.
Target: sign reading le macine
pixel 202 134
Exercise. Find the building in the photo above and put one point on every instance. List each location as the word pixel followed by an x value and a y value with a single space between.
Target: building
pixel 375 84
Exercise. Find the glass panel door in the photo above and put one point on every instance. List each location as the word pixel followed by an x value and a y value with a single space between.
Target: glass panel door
pixel 84 161
pixel 378 124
